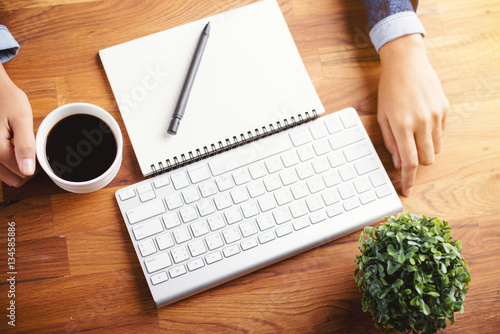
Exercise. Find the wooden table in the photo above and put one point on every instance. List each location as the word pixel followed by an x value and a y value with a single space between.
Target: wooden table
pixel 76 268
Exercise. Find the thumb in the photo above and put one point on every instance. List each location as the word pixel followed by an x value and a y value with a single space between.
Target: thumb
pixel 389 141
pixel 24 144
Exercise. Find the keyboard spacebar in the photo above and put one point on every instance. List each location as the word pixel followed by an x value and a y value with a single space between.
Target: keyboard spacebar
pixel 249 153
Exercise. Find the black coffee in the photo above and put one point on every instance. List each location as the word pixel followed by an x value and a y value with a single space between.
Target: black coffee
pixel 80 147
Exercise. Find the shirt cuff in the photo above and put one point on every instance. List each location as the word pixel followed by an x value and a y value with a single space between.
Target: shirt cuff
pixel 8 45
pixel 394 26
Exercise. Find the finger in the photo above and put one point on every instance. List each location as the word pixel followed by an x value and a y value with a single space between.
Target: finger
pixel 24 144
pixel 437 135
pixel 10 178
pixel 389 141
pixel 409 159
pixel 8 158
pixel 425 147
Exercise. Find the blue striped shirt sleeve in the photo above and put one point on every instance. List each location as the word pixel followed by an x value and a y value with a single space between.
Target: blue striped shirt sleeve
pixel 8 45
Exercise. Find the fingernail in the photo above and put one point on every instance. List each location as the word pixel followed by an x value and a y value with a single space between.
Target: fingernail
pixel 28 167
pixel 408 191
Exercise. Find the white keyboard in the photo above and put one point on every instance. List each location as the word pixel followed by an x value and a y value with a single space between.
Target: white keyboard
pixel 225 216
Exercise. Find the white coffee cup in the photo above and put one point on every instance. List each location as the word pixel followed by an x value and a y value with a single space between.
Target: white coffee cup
pixel 52 119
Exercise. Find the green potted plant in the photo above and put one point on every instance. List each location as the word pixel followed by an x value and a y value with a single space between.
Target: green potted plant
pixel 411 274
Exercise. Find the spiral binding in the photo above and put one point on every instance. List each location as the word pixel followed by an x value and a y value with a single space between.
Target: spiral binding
pixel 229 144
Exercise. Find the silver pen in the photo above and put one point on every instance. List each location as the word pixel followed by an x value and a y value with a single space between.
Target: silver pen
pixel 188 83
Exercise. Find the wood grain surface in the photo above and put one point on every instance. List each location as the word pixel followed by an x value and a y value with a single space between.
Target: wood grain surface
pixel 76 268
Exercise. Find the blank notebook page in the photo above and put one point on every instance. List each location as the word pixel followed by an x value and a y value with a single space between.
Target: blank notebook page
pixel 251 75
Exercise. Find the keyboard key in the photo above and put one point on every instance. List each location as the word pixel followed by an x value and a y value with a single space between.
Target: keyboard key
pixel 272 182
pixel 257 170
pixel 362 184
pixel 289 158
pixel 346 137
pixel 384 191
pixel 127 194
pixel 333 124
pixel 145 211
pixel 266 203
pixel 213 257
pixel 248 244
pixel 248 228
pixel 157 262
pixel 331 178
pixel 330 197
pixel 195 264
pixel 231 250
pixel 233 215
pixel 336 159
pixel 239 195
pixel 298 209
pixel 231 235
pixel 300 136
pixel 265 222
pixel 282 215
pixel 196 248
pixel 300 224
pixel 190 195
pixel 288 177
pixel 256 189
pixel 161 182
pixel 173 201
pixel 274 164
pixel 306 152
pixel 147 247
pixel 347 172
pixel 179 254
pixel 348 119
pixel 377 179
pixel 283 196
pixel 199 228
pixel 321 147
pixel 357 151
pixel 216 222
pixel 266 237
pixel 315 184
pixel 159 278
pixel 241 176
pixel 350 204
pixel 318 130
pixel 214 241
pixel 314 203
pixel 147 196
pixel 224 182
pixel 171 220
pixel 334 210
pixel 164 241
pixel 223 201
pixel 144 188
pixel 207 189
pixel 366 165
pixel 147 229
pixel 283 230
pixel 249 209
pixel 320 165
pixel 181 234
pixel 188 213
pixel 299 190
pixel 367 198
pixel 318 217
pixel 205 208
pixel 180 180
pixel 304 171
pixel 177 271
pixel 198 173
pixel 346 190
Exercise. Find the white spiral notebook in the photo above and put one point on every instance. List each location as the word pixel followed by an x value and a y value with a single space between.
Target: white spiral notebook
pixel 250 83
